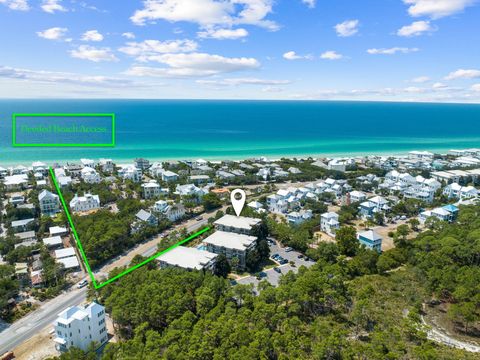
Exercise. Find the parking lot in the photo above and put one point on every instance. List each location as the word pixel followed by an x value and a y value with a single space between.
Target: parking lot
pixel 272 276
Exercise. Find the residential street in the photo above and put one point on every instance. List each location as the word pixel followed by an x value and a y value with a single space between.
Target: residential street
pixel 32 323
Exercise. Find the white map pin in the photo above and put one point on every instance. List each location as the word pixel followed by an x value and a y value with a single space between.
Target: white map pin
pixel 238 198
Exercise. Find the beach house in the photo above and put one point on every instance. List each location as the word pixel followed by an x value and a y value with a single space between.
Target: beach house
pixel 299 217
pixel 152 190
pixel 371 206
pixel 446 213
pixel 169 176
pixel 87 202
pixel 455 190
pixel 80 327
pixel 130 172
pixel 49 203
pixel 329 223
pixel 90 175
pixel 371 240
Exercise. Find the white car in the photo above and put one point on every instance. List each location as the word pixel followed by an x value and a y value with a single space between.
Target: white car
pixel 82 284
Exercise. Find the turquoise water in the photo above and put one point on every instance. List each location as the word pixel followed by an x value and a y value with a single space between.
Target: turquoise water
pixel 186 129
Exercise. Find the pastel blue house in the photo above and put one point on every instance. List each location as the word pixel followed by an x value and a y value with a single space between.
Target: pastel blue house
pixel 371 240
pixel 453 210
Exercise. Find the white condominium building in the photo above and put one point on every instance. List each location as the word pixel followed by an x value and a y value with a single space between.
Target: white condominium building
pixel 236 224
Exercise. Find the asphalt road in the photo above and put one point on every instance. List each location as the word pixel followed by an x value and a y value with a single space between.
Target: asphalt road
pixel 191 227
pixel 31 324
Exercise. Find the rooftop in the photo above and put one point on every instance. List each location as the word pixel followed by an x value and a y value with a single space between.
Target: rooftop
pixel 230 240
pixel 239 222
pixel 187 258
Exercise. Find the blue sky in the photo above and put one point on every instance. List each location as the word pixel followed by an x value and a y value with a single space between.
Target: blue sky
pixel 388 50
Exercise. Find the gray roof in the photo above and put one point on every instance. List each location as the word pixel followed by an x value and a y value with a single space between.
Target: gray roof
pixel 22 222
pixel 143 215
pixel 26 235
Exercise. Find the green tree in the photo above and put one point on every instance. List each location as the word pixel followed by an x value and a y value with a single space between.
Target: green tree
pixel 222 267
pixel 347 242
pixel 211 201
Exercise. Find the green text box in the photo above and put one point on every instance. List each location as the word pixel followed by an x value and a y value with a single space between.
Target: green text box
pixel 15 143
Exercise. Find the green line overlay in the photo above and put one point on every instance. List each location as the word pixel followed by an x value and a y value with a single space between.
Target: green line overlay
pixel 82 252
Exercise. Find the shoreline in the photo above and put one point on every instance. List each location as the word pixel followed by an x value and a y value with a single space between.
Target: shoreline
pixel 122 160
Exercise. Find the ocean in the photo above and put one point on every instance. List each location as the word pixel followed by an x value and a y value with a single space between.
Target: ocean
pixel 190 129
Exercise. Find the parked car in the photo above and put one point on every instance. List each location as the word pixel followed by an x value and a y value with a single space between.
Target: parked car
pixel 277 269
pixel 300 256
pixel 288 249
pixel 283 261
pixel 82 284
pixel 199 218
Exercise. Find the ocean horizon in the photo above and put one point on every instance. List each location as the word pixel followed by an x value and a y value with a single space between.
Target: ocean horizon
pixel 240 129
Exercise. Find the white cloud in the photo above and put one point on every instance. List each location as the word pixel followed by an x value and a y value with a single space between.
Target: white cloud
pixel 223 34
pixel 55 33
pixel 94 54
pixel 331 55
pixel 414 90
pixel 244 81
pixel 292 55
pixel 128 35
pixel 207 12
pixel 463 74
pixel 20 5
pixel 436 8
pixel 61 77
pixel 148 50
pixel 439 86
pixel 310 3
pixel 92 35
pixel 50 6
pixel 421 79
pixel 194 65
pixel 476 87
pixel 347 28
pixel 392 51
pixel 415 29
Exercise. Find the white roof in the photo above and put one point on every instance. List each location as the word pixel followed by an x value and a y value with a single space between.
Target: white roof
pixel 239 222
pixel 51 241
pixel 441 212
pixel 57 230
pixel 62 253
pixel 69 262
pixel 230 240
pixel 187 258
pixel 330 215
pixel 357 193
pixel 370 235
